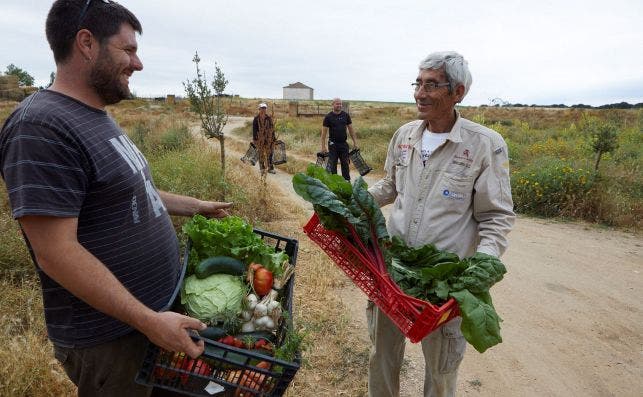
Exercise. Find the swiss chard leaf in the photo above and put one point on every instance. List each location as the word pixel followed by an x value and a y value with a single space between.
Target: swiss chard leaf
pixel 480 322
pixel 316 192
pixel 482 271
pixel 374 217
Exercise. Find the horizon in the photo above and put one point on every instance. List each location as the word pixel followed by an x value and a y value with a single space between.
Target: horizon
pixel 575 52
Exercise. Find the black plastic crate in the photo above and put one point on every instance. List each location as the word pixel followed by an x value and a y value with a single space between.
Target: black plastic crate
pixel 224 370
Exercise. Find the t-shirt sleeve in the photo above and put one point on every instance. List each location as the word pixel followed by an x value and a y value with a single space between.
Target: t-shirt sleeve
pixel 326 122
pixel 44 172
pixel 348 119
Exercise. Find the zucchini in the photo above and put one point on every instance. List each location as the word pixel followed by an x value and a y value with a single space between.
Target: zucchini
pixel 256 335
pixel 213 333
pixel 219 265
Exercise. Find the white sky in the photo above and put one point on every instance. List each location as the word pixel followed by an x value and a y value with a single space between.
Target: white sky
pixel 531 52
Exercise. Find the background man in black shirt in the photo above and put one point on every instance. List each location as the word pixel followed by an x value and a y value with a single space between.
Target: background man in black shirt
pixel 336 122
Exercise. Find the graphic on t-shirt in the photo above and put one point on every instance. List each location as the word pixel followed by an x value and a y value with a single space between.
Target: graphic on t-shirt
pixel 137 163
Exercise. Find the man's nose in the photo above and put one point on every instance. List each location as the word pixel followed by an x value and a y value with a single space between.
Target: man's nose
pixel 136 63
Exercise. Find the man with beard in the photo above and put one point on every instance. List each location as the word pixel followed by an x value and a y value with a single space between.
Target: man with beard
pixel 98 230
pixel 449 180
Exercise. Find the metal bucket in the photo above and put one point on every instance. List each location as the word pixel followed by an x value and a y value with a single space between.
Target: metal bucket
pixel 359 162
pixel 251 155
pixel 279 153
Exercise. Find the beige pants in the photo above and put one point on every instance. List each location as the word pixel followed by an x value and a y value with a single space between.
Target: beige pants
pixel 443 351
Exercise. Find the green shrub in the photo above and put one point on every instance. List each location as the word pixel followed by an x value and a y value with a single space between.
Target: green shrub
pixel 550 187
pixel 177 137
pixel 140 135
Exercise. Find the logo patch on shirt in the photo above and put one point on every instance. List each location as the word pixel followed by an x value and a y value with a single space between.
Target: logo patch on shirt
pixel 466 156
pixel 450 194
pixel 404 152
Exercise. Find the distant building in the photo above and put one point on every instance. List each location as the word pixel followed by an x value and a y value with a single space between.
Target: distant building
pixel 298 91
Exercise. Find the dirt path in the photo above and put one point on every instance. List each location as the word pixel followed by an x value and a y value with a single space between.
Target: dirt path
pixel 572 309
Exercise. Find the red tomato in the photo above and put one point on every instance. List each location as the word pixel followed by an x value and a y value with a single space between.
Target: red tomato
pixel 262 282
pixel 197 366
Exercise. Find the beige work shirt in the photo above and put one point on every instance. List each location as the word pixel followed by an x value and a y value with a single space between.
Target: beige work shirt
pixel 460 200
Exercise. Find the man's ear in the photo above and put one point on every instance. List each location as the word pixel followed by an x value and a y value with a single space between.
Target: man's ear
pixel 459 93
pixel 85 43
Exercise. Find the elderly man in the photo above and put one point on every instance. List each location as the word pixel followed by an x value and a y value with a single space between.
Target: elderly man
pixel 449 180
pixel 263 137
pixel 99 231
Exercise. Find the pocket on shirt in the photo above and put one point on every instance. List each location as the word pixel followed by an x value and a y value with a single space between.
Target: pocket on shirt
pixel 456 187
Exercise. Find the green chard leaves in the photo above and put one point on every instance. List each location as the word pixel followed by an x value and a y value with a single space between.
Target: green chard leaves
pixel 424 272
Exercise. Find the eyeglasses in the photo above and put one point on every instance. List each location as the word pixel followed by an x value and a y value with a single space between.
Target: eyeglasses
pixel 84 11
pixel 428 86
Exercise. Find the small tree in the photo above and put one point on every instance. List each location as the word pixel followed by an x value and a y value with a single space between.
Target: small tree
pixel 52 77
pixel 604 135
pixel 24 78
pixel 209 107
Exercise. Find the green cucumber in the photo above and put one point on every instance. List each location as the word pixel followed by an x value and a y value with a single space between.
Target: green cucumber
pixel 256 335
pixel 213 333
pixel 219 265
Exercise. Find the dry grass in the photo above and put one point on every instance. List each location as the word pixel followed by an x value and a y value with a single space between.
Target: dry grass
pixel 27 365
pixel 336 360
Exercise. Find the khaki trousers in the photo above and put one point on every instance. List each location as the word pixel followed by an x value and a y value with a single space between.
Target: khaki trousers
pixel 443 351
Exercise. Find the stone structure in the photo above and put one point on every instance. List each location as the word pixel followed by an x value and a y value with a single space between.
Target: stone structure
pixel 298 91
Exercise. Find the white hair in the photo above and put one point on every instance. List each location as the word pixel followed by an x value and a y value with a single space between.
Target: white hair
pixel 454 65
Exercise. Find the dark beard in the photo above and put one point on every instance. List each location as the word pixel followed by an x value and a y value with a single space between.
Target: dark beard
pixel 104 80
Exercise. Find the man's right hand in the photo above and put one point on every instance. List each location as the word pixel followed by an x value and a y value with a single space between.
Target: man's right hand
pixel 170 331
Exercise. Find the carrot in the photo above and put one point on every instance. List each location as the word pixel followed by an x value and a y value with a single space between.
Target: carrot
pixel 248 379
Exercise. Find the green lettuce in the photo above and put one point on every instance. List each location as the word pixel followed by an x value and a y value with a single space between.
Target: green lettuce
pixel 230 236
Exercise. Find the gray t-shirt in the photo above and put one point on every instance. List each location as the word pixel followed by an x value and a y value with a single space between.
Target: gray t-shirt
pixel 60 157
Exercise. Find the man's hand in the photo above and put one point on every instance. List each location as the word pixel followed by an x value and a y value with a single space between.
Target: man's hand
pixel 170 331
pixel 188 206
pixel 213 209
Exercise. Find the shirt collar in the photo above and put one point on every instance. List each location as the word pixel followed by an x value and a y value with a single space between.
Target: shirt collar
pixel 453 136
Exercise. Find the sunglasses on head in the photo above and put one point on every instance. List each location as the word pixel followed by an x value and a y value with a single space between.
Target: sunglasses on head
pixel 85 9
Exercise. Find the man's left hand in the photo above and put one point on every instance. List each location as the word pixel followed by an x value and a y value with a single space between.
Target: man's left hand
pixel 214 209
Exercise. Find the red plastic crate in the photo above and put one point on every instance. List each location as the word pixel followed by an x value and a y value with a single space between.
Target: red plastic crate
pixel 414 317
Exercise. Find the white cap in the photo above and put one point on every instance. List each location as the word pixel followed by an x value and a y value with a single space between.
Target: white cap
pixel 263 105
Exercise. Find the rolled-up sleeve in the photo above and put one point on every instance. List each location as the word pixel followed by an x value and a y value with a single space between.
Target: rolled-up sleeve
pixel 384 191
pixel 492 202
